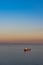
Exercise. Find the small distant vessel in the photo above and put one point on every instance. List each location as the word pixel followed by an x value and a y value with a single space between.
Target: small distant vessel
pixel 27 49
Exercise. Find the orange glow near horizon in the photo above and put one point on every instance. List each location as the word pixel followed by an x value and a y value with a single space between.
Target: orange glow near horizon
pixel 21 37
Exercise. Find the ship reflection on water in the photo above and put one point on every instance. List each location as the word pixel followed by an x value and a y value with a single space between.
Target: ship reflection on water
pixel 27 51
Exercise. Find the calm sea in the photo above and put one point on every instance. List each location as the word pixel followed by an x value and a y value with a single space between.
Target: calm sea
pixel 15 55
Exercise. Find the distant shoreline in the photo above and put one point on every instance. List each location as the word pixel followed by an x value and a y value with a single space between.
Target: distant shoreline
pixel 21 43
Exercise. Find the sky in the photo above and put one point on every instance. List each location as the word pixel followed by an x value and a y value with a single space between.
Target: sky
pixel 21 21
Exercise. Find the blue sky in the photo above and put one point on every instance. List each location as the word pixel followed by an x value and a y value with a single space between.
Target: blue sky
pixel 21 16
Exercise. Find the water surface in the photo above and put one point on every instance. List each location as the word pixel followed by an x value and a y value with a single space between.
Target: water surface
pixel 15 55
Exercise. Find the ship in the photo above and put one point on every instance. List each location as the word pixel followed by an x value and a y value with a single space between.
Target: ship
pixel 27 49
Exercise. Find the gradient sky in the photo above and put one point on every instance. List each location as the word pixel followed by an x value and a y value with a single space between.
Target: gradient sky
pixel 21 21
